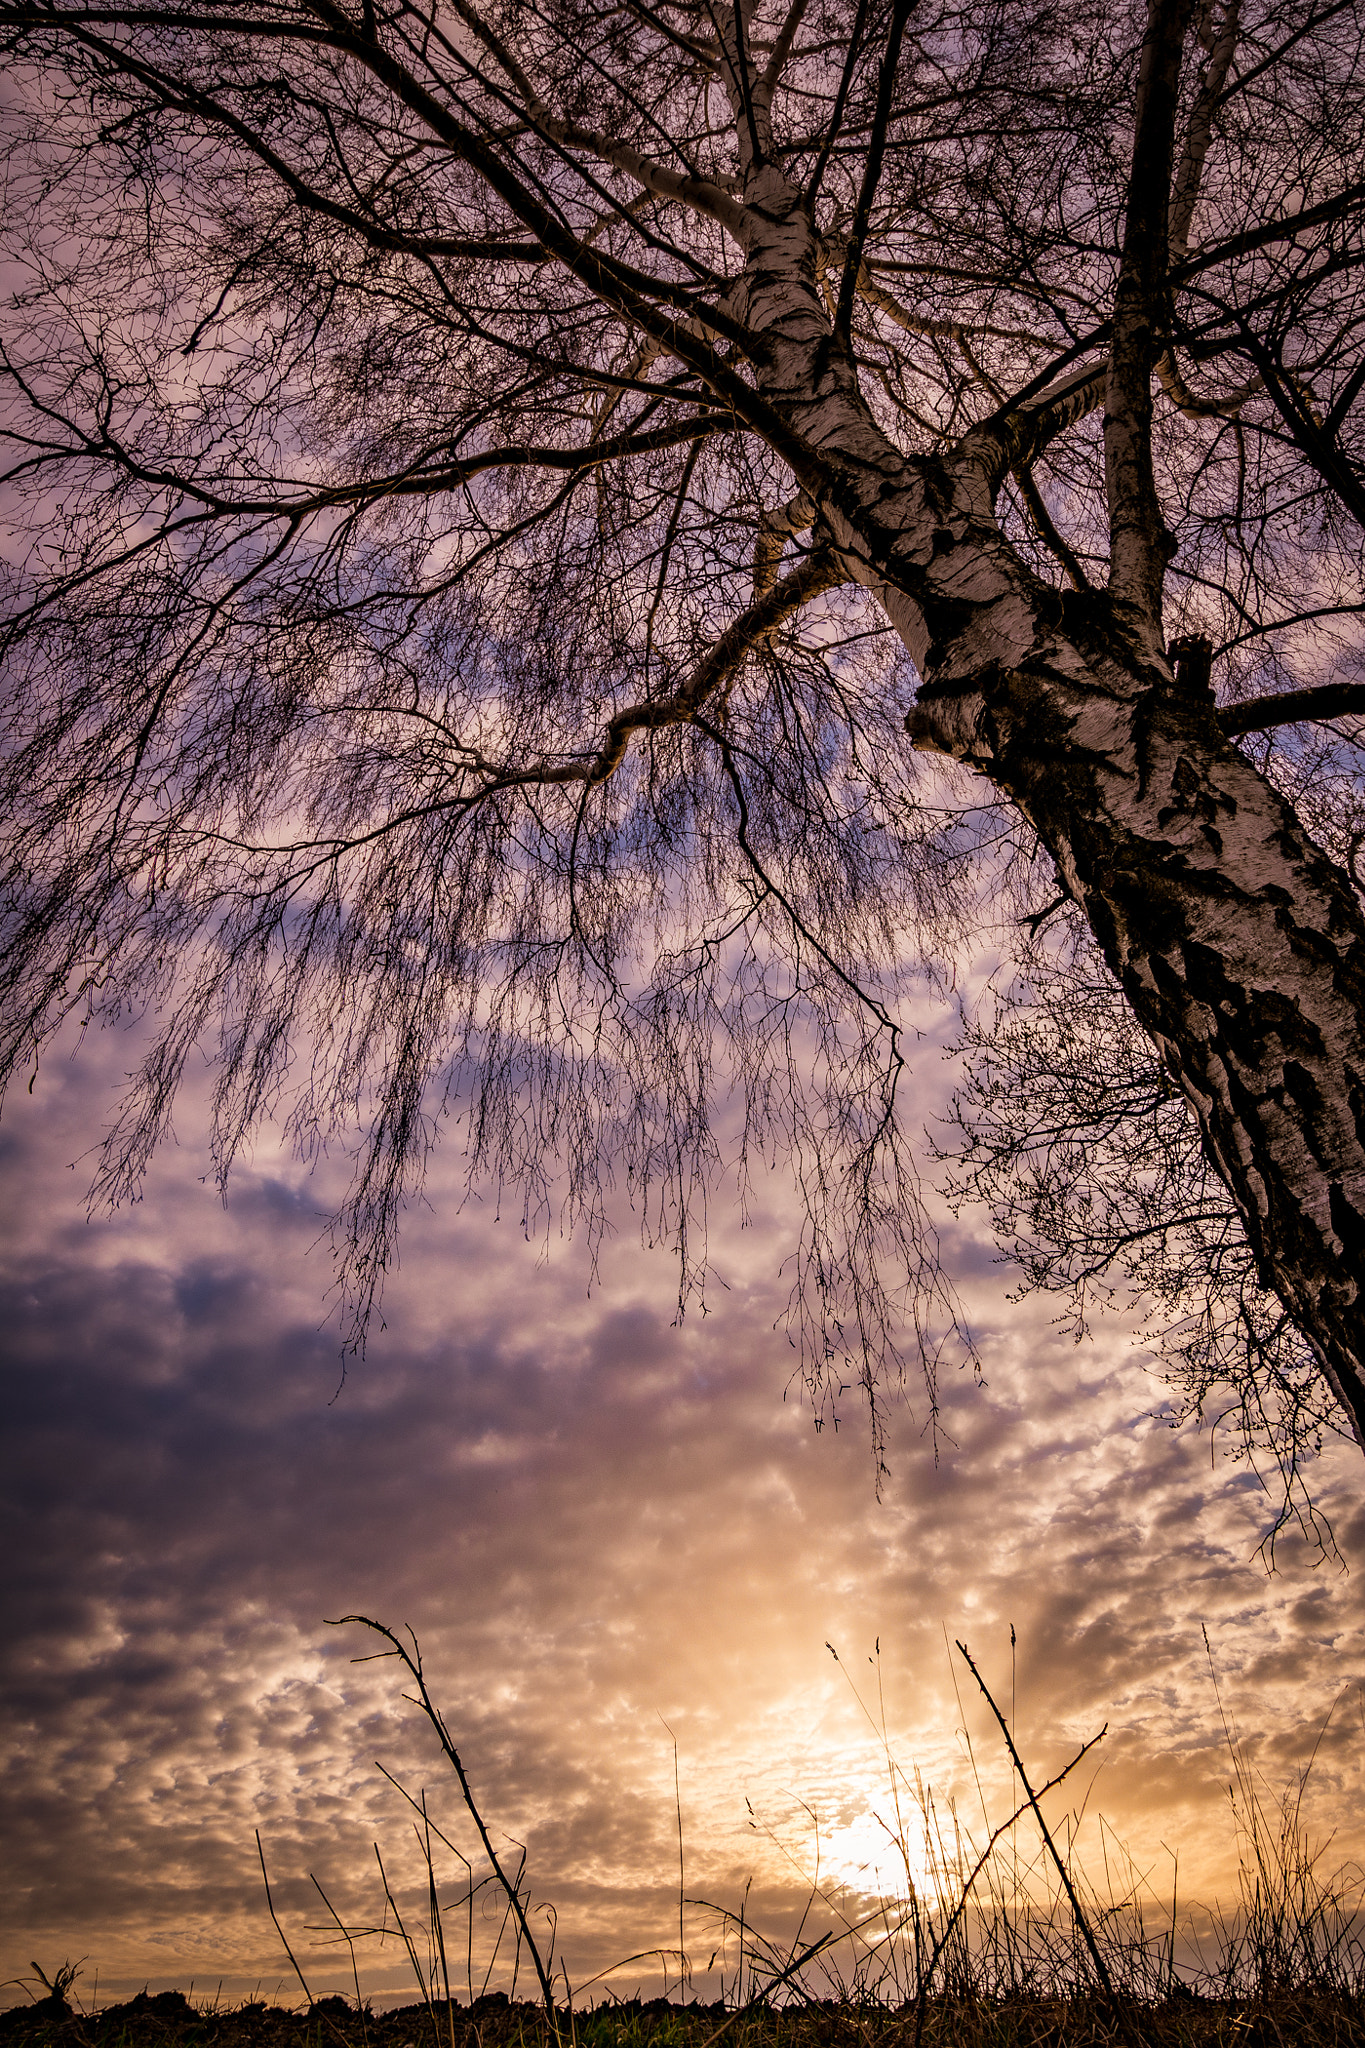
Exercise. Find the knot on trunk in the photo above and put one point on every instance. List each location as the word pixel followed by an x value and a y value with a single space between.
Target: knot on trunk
pixel 950 721
pixel 1191 659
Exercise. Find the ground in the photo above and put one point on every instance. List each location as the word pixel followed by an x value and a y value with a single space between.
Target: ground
pixel 1297 2019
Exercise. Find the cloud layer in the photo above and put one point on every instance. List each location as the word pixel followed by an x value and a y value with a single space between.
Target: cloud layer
pixel 608 1532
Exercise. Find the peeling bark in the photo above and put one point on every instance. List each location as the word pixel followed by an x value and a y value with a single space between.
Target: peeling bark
pixel 1239 945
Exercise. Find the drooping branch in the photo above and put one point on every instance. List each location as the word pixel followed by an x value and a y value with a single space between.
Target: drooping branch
pixel 422 478
pixel 422 247
pixel 820 571
pixel 712 676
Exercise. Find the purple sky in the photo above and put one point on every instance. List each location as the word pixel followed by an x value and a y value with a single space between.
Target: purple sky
pixel 598 1523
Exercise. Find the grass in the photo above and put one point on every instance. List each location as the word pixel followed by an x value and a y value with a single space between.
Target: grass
pixel 1003 1940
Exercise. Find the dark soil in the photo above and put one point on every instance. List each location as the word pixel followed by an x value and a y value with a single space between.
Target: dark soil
pixel 168 2020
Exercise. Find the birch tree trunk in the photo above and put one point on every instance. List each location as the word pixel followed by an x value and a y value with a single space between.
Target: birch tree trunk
pixel 1240 946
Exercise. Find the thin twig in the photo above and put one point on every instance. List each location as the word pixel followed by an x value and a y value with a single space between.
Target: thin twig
pixel 412 1660
pixel 350 1943
pixel 277 1922
pixel 1078 1911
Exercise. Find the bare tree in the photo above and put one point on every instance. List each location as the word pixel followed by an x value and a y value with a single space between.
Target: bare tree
pixel 569 553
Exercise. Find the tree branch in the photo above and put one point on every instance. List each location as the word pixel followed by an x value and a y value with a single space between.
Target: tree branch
pixel 1047 530
pixel 704 195
pixel 837 112
pixel 777 527
pixel 781 50
pixel 1323 450
pixel 1199 128
pixel 414 482
pixel 1139 544
pixel 819 572
pixel 872 166
pixel 1014 437
pixel 1060 393
pixel 716 670
pixel 1292 707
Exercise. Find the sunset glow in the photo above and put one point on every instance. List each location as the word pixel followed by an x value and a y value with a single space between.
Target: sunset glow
pixel 598 1523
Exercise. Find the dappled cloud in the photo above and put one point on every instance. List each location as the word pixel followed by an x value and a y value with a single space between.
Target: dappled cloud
pixel 610 1531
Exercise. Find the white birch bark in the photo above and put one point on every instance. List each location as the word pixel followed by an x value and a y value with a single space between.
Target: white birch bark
pixel 1239 945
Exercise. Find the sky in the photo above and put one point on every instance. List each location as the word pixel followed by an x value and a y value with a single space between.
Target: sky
pixel 625 1550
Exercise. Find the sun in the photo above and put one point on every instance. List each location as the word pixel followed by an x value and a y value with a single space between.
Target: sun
pixel 878 1853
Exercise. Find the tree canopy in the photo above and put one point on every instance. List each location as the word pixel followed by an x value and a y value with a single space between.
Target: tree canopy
pixel 566 557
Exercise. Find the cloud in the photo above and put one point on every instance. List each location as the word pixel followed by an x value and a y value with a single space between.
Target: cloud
pixel 598 1522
